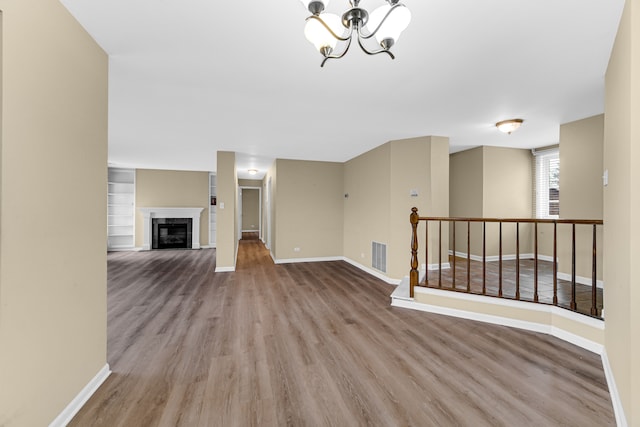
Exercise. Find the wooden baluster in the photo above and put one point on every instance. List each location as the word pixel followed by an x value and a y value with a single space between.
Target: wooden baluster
pixel 573 268
pixel 426 253
pixel 468 256
pixel 484 258
pixel 413 274
pixel 535 264
pixel 517 260
pixel 453 271
pixel 439 254
pixel 555 263
pixel 500 264
pixel 594 279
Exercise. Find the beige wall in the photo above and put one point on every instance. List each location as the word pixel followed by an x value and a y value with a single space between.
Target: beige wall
pixel 466 195
pixel 492 182
pixel 367 180
pixel 621 211
pixel 250 209
pixel 507 193
pixel 553 317
pixel 420 164
pixel 251 220
pixel 379 185
pixel 440 202
pixel 270 208
pixel 581 151
pixel 54 162
pixel 310 209
pixel 250 182
pixel 226 218
pixel 172 189
pixel 465 183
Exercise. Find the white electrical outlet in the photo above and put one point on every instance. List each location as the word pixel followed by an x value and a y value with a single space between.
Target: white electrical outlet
pixel 296 249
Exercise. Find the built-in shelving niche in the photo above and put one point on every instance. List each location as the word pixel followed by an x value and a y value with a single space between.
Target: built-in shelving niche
pixel 121 208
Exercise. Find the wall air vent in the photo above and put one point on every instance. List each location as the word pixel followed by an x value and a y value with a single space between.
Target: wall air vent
pixel 379 256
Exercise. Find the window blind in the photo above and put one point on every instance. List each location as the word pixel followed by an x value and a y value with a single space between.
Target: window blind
pixel 548 184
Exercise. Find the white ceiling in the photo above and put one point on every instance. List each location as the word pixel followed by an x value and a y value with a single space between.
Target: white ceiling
pixel 189 78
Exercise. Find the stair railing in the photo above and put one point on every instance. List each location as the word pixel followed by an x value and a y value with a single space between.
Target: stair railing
pixel 414 274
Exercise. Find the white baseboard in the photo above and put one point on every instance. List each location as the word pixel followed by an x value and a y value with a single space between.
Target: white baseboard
pixel 316 259
pixel 375 273
pixel 582 342
pixel 505 321
pixel 505 257
pixel 78 402
pixel 131 249
pixel 228 269
pixel 576 339
pixel 510 257
pixel 618 409
pixel 372 272
pixel 432 267
pixel 480 317
pixel 581 280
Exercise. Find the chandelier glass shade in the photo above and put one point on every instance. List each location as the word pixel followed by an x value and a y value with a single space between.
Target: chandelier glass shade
pixel 326 31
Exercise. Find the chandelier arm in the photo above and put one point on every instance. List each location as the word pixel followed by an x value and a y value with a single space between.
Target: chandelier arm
pixel 374 52
pixel 344 52
pixel 368 36
pixel 324 24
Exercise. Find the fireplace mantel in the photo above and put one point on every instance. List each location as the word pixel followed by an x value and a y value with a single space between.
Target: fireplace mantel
pixel 149 213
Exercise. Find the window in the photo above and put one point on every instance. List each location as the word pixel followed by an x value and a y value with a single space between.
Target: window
pixel 548 184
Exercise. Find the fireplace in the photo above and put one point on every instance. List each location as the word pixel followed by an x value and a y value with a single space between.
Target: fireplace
pixel 171 233
pixel 170 223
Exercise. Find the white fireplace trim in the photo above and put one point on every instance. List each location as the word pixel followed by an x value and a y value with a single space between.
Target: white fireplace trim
pixel 150 213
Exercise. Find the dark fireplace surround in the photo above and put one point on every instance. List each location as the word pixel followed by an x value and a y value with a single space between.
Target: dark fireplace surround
pixel 182 214
pixel 171 233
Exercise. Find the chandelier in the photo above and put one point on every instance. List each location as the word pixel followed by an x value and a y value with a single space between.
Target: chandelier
pixel 326 30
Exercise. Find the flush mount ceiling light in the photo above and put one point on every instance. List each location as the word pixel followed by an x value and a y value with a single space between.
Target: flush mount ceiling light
pixel 508 126
pixel 253 171
pixel 326 30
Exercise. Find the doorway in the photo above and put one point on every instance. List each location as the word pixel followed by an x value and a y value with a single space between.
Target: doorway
pixel 250 213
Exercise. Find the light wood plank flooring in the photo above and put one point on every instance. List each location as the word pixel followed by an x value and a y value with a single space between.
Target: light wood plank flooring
pixel 318 345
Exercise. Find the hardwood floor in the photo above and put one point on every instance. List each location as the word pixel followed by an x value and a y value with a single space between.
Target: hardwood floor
pixel 545 283
pixel 318 345
pixel 250 235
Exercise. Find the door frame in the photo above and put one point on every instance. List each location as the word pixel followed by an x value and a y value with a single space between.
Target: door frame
pixel 240 189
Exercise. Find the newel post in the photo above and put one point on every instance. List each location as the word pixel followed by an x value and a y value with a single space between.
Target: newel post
pixel 413 274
